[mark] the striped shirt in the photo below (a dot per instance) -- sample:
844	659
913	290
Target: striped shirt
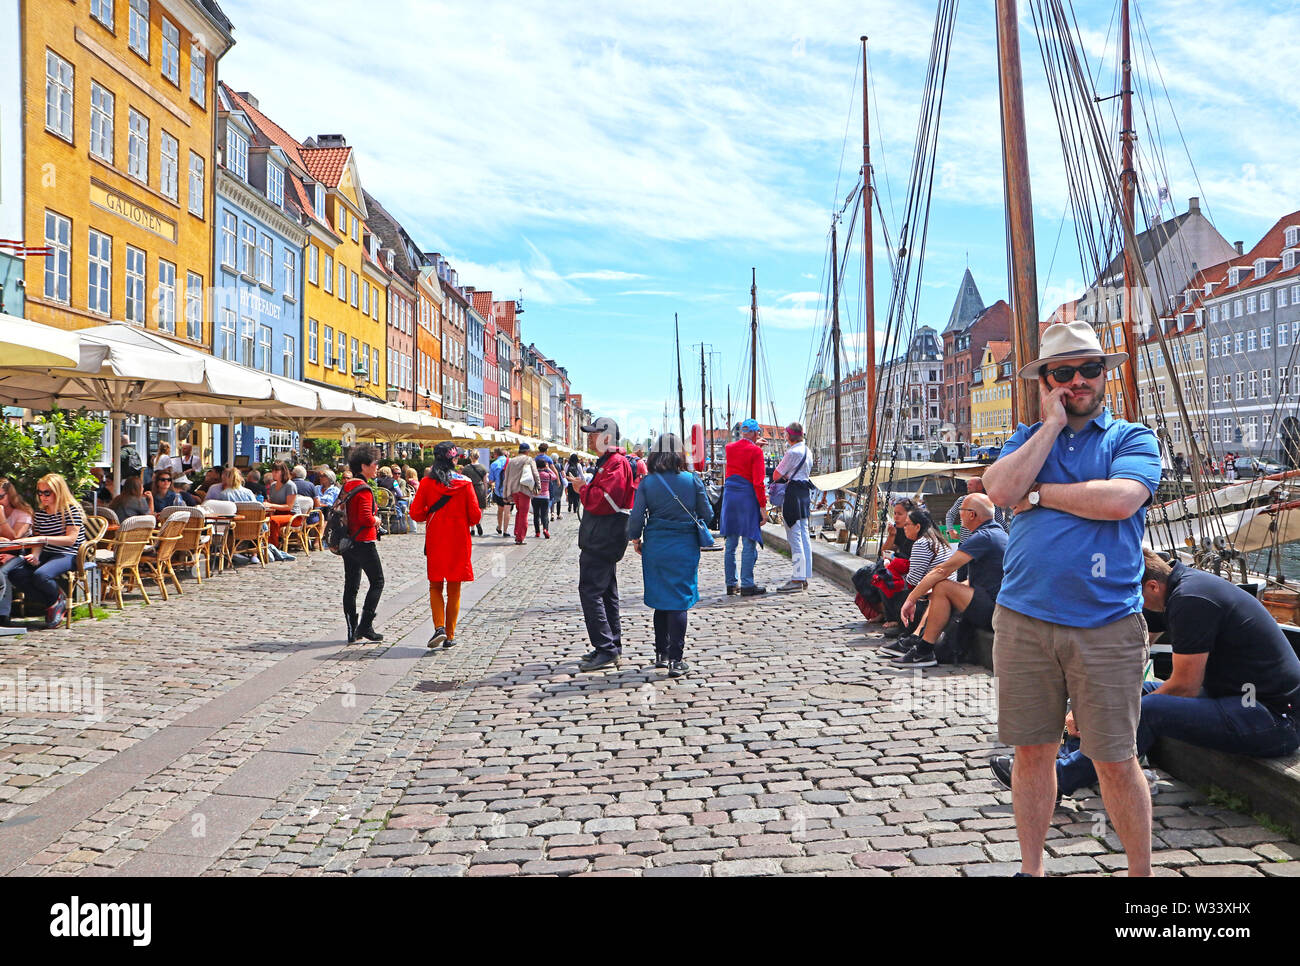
56	525
924	559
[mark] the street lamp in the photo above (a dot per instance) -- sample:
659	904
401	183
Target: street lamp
392	395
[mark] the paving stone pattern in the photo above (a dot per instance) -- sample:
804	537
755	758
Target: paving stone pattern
241	738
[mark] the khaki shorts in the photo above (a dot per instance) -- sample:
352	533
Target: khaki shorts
1038	665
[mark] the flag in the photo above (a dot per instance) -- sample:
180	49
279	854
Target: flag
21	250
1162	195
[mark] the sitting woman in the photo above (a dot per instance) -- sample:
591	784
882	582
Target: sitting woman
132	501
327	491
161	493
928	550
386	481
60	522
15	523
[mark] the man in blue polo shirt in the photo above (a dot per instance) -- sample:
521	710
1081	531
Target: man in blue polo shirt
1068	623
496	476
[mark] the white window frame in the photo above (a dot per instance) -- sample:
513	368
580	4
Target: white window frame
58	265
289	267
138	28
137	281
171	52
265	341
198	184
1265	300
287	357
60	79
230	240
248	250
365	297
313	340
275	184
137	149
342	292
329	273
236	152
341	355
341	221
101	122
318	202
99	272
355	279
1266	337
327	345
198	75
1252	304
248	342
374	366
313	264
102	10
169	163
229	337
1281	297
355	223
165	310
265	259
194	306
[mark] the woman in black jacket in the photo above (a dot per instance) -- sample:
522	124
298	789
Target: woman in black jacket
477	474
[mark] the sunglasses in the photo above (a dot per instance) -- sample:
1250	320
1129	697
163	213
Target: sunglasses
45	493
1089	370
163	479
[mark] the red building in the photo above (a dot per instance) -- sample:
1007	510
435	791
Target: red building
970	328
492	416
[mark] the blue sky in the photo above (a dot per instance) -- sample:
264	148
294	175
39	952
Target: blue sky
617	163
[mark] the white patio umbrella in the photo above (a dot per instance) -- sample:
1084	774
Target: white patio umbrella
27	343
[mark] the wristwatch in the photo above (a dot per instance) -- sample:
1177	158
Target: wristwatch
1034	496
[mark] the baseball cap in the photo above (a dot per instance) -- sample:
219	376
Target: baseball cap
750	426
603	424
524	448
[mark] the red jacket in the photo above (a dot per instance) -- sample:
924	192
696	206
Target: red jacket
446	538
361	512
613	477
745	458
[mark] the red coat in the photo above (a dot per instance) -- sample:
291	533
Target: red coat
361	512
446	537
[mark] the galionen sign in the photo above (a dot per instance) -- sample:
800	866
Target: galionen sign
102	196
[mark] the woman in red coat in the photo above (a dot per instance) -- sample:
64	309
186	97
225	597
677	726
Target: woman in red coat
447	502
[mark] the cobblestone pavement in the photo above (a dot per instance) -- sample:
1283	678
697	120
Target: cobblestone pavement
241	737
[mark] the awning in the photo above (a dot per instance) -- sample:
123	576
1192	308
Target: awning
27	343
900	470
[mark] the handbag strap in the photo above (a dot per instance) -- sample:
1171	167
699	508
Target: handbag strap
674	495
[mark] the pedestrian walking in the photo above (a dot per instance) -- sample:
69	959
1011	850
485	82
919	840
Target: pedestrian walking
520	482
671	506
496	476
794	499
573	469
449	507
362	555
474	471
1068	622
547	477
602	540
743	498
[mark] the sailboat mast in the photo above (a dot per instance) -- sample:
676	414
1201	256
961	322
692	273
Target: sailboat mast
704	415
681	403
835	337
868	280
1128	178
753	345
1020	208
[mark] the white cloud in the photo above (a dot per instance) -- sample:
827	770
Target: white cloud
606	275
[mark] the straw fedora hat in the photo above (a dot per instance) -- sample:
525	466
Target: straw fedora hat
1069	340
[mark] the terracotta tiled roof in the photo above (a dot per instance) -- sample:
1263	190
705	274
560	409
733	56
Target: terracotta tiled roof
483	304
326	165
272	131
999	349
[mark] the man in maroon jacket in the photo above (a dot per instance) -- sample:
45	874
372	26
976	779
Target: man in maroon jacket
602	541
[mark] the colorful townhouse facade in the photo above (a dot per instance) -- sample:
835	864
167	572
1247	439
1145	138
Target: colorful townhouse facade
400	257
991	395
491	366
428	337
474	361
455	310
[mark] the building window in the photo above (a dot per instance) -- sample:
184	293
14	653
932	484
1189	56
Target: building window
328	345
101	123
1241	385
99	273
1239	341
343	217
58	95
171	52
58	237
248	250
287	360
341	355
229	240
166	310
1266	337
318	202
228	334
264	348
355	223
1281	298
168	165
1266	383
196	185
353	357
313	274
354	290
137	148
1251	303
313	339
374	306
1198	351
236	152
138	31
275	184
248	342
265	260
1214	430
194	306
198	74
343	282
1250	341
1236	309
102	10
1282	387
290	273
329	273
1214	314
374	366
365	298
136	283
1254	385
1214	390
1265	301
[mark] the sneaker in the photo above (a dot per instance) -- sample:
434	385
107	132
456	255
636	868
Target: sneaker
921	655
790	586
678	669
439	635
752	591
598	660
55	613
546	534
449	642
1002	765
732	590
899	646
661	661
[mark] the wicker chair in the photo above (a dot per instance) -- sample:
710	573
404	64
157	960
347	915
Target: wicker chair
315	528
120	565
295	531
78	578
158	560
249	530
195	543
385	506
221	528
108	513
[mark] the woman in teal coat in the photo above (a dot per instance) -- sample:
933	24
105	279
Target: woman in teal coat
663	531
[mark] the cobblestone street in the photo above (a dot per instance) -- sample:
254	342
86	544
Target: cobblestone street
240	736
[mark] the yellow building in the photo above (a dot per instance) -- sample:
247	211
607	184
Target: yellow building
119	137
991	396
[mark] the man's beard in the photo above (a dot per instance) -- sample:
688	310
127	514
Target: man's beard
1084	407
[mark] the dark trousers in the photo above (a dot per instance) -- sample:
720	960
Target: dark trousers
574	503
670	633
541	514
40	584
359	557
598	591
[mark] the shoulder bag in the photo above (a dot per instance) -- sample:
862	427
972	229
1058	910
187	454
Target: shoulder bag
776	491
701	531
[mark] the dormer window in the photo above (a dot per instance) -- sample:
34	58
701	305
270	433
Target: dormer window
275	184
1288	261
1234	275
318	202
1293	236
1261	267
236	152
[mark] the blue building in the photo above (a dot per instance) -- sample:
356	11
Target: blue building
474	363
257	269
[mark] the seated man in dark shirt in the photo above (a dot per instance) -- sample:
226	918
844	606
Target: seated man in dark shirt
1235	685
981	552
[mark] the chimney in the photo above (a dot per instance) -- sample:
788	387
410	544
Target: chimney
248	97
1194	206
331	141
1239	246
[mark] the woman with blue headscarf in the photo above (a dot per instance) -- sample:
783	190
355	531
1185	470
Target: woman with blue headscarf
744	497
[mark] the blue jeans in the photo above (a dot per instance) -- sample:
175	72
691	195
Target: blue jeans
800	550
42	581
748	557
1220	724
6	586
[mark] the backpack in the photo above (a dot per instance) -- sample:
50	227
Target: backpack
131	465
338	535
